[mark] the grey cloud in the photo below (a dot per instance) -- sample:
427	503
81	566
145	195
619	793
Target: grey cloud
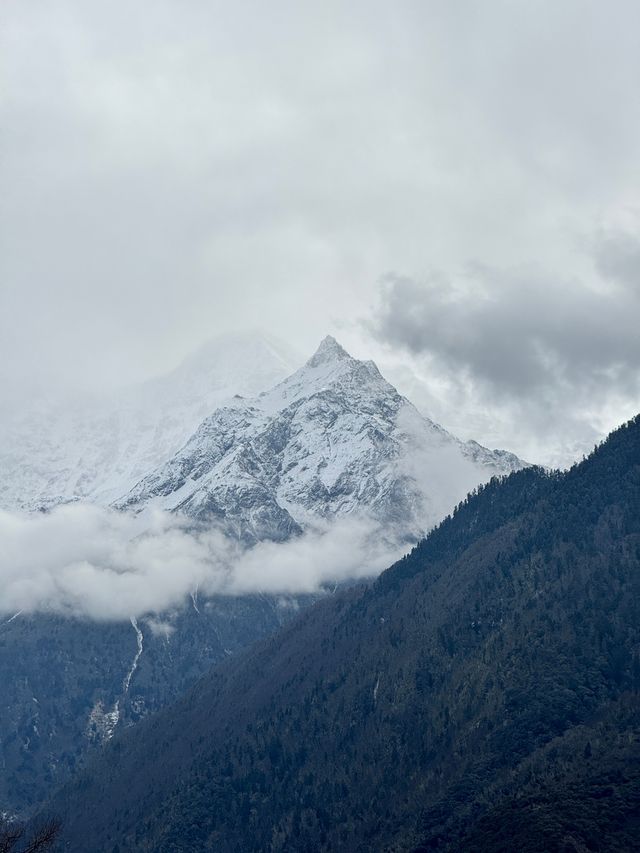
516	332
554	362
617	256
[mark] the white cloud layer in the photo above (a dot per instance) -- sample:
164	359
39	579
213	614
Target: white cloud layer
86	561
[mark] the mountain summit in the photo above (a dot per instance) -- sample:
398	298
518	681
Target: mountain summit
329	350
333	439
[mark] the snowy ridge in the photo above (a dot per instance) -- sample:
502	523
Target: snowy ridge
97	448
333	439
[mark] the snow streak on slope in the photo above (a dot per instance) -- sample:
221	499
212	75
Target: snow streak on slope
134	663
333	439
99	448
101	724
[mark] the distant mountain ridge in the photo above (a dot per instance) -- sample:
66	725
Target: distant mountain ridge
97	447
331	440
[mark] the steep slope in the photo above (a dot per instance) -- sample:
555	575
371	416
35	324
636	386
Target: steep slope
99	447
333	439
482	694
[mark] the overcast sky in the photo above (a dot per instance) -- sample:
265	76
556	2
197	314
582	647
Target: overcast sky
450	187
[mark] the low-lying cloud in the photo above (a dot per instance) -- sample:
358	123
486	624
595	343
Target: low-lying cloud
85	561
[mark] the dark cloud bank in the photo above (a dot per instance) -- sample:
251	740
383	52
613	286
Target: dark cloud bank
559	353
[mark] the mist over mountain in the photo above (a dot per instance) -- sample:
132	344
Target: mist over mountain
482	695
272	501
97	446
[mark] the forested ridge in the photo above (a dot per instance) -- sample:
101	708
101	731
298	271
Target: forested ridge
482	695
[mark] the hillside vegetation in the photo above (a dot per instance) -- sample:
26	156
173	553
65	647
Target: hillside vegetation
482	695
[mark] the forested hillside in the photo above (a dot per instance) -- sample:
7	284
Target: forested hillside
68	683
482	695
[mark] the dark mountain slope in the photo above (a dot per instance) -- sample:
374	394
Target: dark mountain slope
483	694
67	684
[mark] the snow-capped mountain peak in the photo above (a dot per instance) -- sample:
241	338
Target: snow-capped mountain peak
333	439
329	350
330	367
330	439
